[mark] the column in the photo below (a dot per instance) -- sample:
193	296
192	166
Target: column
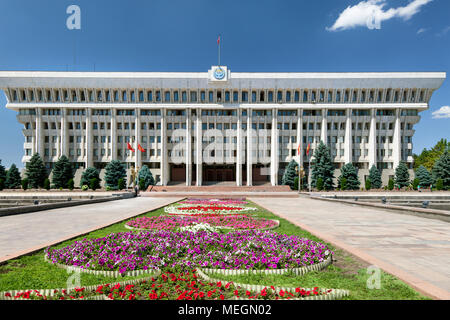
199	148
39	136
324	129
372	139
396	152
164	160
63	148
113	135
348	138
239	149
300	136
188	148
249	148
88	139
275	149
137	133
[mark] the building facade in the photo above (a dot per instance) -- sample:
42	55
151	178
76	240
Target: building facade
197	128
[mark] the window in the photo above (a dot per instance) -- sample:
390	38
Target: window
244	96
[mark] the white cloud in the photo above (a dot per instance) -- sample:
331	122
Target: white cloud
421	30
442	113
371	14
443	32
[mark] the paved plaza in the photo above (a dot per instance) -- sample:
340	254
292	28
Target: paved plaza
25	232
415	249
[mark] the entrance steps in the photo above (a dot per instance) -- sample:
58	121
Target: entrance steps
219	190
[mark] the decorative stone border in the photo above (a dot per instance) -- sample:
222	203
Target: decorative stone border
297	271
173	210
51	292
335	294
114	274
263	229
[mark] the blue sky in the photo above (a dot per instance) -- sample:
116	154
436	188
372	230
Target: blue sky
257	35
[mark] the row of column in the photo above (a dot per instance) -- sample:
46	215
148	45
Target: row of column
38	144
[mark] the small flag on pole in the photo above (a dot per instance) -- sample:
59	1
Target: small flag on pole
129	147
298	150
140	148
218	40
308	149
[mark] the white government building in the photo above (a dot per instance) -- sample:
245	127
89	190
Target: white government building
365	118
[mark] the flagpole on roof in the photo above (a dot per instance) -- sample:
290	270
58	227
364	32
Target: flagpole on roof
218	43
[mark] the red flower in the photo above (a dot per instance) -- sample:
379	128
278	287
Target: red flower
222	297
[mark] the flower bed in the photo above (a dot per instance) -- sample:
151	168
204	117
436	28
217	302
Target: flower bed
175	286
224	202
220	221
207	209
250	250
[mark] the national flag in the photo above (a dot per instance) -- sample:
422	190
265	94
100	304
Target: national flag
140	148
218	40
129	147
298	150
308	149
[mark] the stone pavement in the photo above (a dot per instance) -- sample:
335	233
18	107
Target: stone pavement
25	233
416	250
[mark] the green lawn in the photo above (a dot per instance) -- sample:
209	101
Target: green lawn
347	272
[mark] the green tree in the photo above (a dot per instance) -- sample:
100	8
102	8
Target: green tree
429	157
87	175
2	172
375	178
440	185
441	169
350	173
36	172
62	172
424	176
94	184
415	183
322	167
368	184
13	178
319	184
121	184
402	175
290	174
146	175
24	184
114	171
70	184
47	184
390	185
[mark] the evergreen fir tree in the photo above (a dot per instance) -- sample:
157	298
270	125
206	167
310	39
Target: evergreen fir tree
13	179
2	172
402	176
36	172
62	173
368	184
113	172
441	170
290	174
322	167
147	177
89	174
375	178
424	176
350	173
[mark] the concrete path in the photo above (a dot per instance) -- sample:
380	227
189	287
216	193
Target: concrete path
416	250
25	233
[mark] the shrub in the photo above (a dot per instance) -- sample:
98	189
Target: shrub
319	184
94	184
24	184
121	184
368	184
70	184
85	187
343	184
47	184
390	185
141	184
296	182
415	184
440	184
